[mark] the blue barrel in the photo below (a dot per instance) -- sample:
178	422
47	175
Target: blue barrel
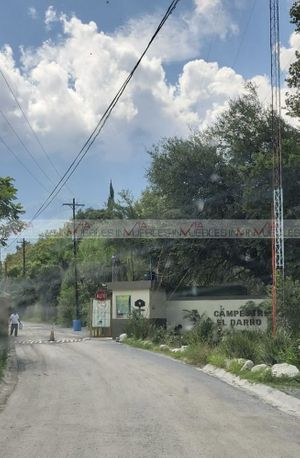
76	325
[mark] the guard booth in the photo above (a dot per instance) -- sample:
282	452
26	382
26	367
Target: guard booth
100	314
141	296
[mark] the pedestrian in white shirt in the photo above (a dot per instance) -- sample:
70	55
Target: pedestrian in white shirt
14	323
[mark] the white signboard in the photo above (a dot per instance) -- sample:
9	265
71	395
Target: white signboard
101	314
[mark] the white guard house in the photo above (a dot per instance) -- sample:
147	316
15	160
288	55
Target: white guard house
224	305
127	296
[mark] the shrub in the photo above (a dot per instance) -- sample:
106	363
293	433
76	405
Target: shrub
198	354
281	348
288	310
240	344
217	358
173	339
157	334
138	326
204	331
3	353
192	315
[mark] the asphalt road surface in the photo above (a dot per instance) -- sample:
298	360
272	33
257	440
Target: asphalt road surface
103	399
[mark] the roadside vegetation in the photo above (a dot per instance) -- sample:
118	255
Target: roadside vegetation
3	355
206	344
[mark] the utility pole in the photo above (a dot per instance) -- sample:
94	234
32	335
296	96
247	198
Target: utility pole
23	243
74	205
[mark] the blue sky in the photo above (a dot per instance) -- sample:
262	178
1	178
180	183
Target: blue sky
66	59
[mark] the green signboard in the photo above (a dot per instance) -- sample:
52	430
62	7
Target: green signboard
123	306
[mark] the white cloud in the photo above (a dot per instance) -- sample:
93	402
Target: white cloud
288	55
50	16
65	87
183	36
32	12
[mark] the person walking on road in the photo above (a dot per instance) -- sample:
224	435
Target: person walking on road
14	323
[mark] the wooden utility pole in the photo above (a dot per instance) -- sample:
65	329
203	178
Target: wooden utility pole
23	243
73	205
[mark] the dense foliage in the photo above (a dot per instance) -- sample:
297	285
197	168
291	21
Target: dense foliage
293	80
10	211
222	173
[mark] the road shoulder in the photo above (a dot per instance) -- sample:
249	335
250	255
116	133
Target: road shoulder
10	377
286	403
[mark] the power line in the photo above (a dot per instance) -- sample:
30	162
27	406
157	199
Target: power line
241	41
22	164
31	129
24	146
91	139
27	121
101	123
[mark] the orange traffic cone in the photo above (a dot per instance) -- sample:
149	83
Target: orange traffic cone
52	338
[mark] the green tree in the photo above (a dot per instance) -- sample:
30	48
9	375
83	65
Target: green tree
10	211
224	173
293	80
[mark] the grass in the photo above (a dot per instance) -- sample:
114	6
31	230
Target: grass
199	354
205	344
3	355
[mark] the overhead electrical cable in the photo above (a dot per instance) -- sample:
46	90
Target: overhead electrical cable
27	121
242	38
24	146
22	164
32	130
101	123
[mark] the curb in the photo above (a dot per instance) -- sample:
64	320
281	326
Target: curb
10	378
276	398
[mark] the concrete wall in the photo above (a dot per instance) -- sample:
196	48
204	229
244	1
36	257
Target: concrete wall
118	327
157	304
224	312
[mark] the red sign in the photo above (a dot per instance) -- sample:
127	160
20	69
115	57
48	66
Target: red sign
101	295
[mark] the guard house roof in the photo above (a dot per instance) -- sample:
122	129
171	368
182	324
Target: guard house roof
129	285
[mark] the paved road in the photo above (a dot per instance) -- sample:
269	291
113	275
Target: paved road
102	399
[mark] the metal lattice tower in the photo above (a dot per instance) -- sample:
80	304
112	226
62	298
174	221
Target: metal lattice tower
277	211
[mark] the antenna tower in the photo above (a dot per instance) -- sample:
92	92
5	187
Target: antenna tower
277	207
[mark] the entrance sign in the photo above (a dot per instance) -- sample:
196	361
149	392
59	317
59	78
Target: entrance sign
101	314
101	295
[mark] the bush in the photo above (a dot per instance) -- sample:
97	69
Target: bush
288	310
205	330
3	353
281	348
66	306
240	344
198	354
218	359
157	334
138	326
173	339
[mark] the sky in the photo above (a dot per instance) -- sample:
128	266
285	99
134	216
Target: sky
65	60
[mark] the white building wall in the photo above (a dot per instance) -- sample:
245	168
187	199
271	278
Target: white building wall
225	312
